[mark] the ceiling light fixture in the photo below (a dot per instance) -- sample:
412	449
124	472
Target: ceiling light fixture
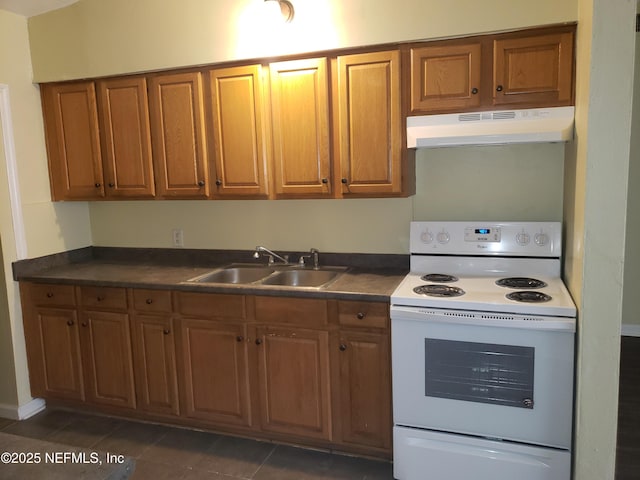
286	9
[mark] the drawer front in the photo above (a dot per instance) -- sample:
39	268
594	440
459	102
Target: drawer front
52	295
211	305
363	314
111	298
291	311
145	300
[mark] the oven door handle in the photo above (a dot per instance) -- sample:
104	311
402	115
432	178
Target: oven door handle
488	319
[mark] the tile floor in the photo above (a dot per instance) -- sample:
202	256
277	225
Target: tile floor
163	452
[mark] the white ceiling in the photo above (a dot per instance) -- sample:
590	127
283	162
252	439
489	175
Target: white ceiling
29	8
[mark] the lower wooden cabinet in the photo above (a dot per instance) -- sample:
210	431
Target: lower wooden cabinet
212	359
293	366
106	350
306	370
365	388
155	364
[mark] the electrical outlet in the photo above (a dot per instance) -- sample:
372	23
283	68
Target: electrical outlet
178	237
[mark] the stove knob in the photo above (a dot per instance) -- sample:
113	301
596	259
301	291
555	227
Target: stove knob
541	239
443	237
426	237
523	238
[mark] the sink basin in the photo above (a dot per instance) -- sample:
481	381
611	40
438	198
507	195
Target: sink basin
303	277
235	274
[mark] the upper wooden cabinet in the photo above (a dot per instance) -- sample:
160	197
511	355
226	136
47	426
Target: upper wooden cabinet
300	125
124	122
445	77
176	104
524	69
369	127
533	69
239	138
73	143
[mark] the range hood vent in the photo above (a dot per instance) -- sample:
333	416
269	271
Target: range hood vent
537	125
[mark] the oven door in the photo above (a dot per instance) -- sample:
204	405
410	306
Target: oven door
492	375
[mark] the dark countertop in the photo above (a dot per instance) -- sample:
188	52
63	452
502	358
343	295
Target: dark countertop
137	268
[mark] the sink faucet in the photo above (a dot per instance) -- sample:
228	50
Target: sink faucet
271	255
314	255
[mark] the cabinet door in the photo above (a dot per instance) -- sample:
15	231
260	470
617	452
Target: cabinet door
73	144
124	120
365	389
445	78
178	135
237	106
533	70
369	129
155	364
53	352
300	124
213	369
293	368
106	346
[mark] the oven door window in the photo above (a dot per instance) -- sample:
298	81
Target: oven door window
479	372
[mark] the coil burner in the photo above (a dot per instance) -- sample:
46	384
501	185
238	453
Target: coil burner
437	290
439	278
520	282
529	297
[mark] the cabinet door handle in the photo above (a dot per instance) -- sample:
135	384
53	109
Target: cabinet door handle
166	331
499	88
70	322
201	183
239	338
258	341
345	181
99	298
218	182
325	180
111	184
342	347
474	91
84	324
360	315
149	301
97	185
49	294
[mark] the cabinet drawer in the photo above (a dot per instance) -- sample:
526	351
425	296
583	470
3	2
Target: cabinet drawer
291	311
363	314
114	298
52	295
211	305
152	300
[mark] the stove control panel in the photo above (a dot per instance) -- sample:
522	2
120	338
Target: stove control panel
527	239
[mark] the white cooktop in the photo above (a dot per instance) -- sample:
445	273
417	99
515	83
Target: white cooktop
479	254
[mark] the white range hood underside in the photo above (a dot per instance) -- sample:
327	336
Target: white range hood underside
540	125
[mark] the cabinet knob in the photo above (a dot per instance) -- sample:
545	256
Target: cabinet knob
98	185
218	182
239	338
342	347
474	91
258	341
499	88
99	298
149	301
49	294
166	331
360	315
111	184
84	324
325	180
201	183
70	322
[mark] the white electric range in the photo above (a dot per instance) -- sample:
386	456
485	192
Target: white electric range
482	354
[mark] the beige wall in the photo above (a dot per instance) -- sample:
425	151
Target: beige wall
49	228
93	37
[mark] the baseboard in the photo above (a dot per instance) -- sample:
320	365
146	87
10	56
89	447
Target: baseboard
23	412
630	330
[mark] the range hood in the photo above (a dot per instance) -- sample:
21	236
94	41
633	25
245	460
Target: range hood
536	125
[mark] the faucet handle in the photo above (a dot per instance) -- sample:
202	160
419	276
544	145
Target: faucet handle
301	260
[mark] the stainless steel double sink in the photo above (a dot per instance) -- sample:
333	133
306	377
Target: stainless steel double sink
274	275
